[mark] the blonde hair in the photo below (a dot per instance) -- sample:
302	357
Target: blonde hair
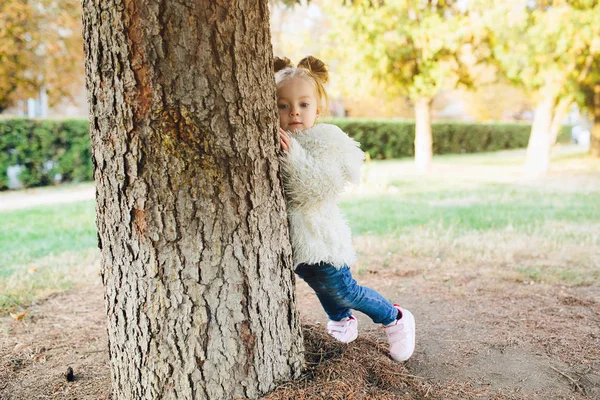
309	68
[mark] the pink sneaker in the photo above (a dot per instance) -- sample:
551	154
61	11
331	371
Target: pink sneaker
401	335
345	330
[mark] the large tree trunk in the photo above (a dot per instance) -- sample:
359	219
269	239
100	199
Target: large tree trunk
423	138
196	259
595	134
537	159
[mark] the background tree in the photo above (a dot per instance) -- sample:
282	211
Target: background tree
594	100
40	45
541	46
584	85
414	49
589	98
192	226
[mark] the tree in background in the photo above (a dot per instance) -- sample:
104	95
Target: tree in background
584	85
40	46
589	97
196	258
595	134
413	49
542	47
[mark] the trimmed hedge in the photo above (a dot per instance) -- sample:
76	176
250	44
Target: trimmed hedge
394	139
47	148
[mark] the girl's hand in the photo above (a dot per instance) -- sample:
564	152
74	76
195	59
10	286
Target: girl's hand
284	139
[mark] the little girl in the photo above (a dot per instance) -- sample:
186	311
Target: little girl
318	161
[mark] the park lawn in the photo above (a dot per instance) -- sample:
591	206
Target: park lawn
479	212
528	234
27	235
471	210
489	207
44	250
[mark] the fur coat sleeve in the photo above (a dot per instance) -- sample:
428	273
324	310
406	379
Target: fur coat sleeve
319	164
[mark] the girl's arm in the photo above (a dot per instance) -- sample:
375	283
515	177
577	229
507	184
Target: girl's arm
307	180
311	179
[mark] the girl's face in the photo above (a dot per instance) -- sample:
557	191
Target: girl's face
298	105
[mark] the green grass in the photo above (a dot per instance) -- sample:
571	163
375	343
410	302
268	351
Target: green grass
489	207
48	275
44	250
479	211
476	192
30	234
475	210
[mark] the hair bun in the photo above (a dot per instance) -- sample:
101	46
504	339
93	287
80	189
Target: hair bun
281	63
316	67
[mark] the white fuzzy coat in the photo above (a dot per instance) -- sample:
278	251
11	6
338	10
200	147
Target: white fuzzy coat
316	168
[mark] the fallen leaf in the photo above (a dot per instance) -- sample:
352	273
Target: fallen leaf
18	316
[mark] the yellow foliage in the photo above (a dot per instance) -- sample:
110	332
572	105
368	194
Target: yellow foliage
40	44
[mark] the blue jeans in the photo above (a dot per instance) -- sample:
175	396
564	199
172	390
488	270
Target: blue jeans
338	293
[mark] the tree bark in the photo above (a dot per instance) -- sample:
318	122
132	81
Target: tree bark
560	113
423	138
537	159
595	133
196	259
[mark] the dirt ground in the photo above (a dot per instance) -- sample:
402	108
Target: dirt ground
477	337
